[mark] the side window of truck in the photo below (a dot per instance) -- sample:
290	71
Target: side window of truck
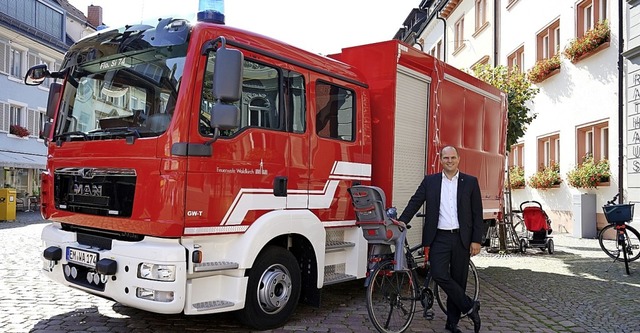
264	100
335	109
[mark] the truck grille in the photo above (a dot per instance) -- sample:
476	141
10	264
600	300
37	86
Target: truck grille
95	191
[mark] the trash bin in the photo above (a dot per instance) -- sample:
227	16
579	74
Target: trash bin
7	204
584	216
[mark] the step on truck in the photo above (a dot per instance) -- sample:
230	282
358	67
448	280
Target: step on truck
197	168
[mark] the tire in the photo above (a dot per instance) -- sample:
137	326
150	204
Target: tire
473	289
550	246
523	245
612	248
268	308
391	298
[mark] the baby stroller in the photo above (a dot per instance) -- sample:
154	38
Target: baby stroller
538	227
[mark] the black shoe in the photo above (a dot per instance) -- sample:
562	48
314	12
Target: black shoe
474	315
452	328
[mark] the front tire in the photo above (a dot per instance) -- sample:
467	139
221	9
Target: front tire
612	247
273	289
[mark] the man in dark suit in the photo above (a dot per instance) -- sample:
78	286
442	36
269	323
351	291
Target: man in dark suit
452	231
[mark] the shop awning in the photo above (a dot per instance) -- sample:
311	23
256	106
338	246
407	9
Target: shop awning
22	160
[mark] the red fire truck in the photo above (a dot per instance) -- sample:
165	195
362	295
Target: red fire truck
197	168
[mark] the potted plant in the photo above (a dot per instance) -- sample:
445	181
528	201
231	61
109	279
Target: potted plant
589	174
547	177
544	69
580	47
516	177
18	130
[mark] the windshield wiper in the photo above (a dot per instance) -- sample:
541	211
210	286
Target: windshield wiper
67	135
129	133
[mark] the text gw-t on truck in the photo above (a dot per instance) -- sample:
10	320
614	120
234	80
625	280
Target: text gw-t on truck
197	168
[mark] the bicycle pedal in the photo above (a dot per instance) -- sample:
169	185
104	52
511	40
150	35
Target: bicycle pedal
428	314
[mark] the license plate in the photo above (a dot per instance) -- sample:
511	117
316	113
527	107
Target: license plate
81	257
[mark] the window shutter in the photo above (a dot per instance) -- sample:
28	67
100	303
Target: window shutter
33	60
4	54
32	122
4	117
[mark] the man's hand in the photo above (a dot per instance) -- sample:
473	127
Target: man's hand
474	249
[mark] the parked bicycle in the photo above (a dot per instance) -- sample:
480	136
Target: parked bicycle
627	239
394	273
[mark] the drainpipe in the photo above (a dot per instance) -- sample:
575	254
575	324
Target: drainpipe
620	103
496	32
444	36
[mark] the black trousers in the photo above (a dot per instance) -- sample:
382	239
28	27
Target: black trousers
450	268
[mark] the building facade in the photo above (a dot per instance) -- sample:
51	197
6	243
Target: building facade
31	32
577	104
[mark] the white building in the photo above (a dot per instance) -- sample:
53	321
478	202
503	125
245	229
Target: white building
577	106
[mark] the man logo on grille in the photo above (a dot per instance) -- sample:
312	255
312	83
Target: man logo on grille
87	173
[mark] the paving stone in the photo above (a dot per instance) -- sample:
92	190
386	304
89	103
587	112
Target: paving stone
576	289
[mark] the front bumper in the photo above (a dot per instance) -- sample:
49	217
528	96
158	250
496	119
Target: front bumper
120	283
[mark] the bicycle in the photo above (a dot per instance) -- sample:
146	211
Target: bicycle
627	240
392	293
393	283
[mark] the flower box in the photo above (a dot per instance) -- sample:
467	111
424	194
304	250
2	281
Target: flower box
18	131
544	69
590	53
593	41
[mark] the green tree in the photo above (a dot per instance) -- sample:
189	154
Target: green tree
519	91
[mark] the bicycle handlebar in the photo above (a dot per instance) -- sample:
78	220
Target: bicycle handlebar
613	201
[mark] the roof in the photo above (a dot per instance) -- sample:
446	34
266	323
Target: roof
73	11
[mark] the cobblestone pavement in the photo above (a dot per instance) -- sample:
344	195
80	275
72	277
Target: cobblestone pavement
568	291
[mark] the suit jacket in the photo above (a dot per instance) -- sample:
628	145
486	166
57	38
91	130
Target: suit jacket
469	208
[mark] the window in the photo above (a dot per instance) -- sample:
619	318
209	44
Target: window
516	157
458	34
593	140
548	150
272	98
15	62
548	40
588	12
335	107
516	59
15	115
481	13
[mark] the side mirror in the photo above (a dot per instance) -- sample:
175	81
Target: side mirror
225	116
227	74
36	75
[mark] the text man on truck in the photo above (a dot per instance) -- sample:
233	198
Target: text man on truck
197	168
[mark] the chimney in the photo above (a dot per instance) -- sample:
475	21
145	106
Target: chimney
94	15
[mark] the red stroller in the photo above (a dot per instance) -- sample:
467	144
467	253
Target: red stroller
538	227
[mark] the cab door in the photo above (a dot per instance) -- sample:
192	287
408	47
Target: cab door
257	168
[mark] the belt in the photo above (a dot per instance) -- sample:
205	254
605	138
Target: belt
449	231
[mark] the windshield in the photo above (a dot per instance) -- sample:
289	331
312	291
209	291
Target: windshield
118	85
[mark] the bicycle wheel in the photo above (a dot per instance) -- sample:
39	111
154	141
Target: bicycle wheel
391	298
473	289
518	225
612	247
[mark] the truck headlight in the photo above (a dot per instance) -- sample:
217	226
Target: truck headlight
157	272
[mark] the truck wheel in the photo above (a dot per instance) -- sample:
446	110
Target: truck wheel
273	289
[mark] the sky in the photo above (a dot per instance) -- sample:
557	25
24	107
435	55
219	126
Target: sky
322	27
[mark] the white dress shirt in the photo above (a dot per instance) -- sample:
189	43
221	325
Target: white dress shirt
449	203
